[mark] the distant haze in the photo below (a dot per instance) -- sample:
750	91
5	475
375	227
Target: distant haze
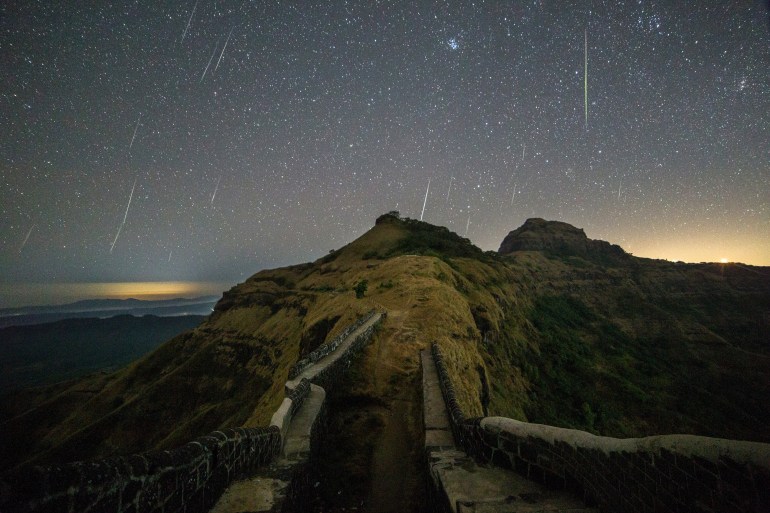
23	294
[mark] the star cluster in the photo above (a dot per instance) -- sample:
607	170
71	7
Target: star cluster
266	133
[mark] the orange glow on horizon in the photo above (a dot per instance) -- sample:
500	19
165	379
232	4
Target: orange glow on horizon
144	289
18	294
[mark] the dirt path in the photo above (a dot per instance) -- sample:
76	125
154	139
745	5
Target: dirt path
372	460
396	479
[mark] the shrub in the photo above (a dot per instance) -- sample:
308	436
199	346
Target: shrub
360	288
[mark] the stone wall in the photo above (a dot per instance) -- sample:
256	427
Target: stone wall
332	373
188	479
637	475
304	477
326	349
460	427
289	406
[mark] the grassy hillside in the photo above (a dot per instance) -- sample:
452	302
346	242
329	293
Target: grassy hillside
620	346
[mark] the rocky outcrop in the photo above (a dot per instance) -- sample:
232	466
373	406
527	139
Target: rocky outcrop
558	238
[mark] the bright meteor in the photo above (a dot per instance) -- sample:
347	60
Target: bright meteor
26	238
425	201
124	216
585	77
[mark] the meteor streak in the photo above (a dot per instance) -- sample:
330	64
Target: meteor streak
450	188
425	201
26	238
466	226
125	215
135	130
215	190
513	193
189	21
585	77
223	49
209	64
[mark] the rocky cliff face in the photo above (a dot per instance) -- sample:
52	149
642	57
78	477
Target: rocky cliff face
559	238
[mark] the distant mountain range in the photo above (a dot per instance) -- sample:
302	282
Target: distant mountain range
104	308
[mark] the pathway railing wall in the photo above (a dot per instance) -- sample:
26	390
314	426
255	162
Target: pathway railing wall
329	348
188	479
636	475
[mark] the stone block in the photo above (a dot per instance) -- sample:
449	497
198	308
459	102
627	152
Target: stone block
527	452
131	491
137	465
149	498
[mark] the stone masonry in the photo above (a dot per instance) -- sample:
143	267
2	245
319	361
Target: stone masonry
188	479
669	473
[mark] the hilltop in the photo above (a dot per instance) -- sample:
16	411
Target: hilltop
554	328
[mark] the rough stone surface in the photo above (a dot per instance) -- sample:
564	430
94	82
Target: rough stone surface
438	430
188	479
191	479
326	371
668	472
471	487
540	235
636	475
284	484
458	483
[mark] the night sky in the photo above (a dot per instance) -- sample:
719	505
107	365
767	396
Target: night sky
256	134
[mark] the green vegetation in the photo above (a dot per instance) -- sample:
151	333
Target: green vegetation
360	288
423	238
584	372
632	347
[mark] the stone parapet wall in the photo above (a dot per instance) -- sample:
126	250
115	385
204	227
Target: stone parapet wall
667	473
326	349
461	430
329	376
294	399
188	479
298	395
659	473
303	476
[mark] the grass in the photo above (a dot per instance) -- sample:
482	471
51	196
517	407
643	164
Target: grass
633	350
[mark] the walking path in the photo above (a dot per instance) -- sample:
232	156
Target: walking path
321	365
270	486
469	487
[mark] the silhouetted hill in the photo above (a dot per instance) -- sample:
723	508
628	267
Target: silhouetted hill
102	308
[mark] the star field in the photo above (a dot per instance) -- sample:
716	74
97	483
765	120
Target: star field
261	134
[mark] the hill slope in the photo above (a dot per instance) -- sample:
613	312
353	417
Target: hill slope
571	334
46	353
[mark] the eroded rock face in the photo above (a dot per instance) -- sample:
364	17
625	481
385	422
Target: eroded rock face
555	236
